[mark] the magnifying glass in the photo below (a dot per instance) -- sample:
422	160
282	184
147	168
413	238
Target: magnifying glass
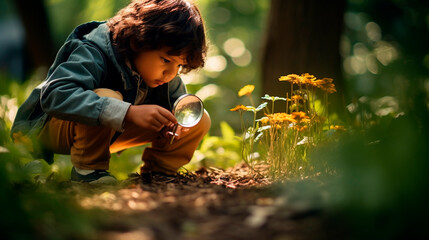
188	110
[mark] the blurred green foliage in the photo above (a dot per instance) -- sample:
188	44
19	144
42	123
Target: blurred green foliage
380	188
384	47
30	210
381	164
217	151
66	15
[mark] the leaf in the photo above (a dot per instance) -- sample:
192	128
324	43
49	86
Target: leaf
262	106
227	131
259	136
263	128
208	142
273	98
34	167
319	108
250	108
267	97
305	140
248	134
262	118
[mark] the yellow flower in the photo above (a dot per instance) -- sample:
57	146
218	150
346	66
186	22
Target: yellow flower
325	84
301	128
246	90
280	118
318	83
307	78
296	98
330	88
264	120
238	108
337	127
300	117
292	78
306	120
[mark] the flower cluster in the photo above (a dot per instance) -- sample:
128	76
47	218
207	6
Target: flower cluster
286	137
276	118
326	84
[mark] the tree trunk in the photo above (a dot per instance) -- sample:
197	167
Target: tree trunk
303	37
37	30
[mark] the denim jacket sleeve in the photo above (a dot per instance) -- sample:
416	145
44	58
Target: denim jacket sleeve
67	93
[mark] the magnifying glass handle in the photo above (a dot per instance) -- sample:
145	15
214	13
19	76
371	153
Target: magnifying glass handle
174	133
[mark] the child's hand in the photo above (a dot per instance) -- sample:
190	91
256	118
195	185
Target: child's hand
151	117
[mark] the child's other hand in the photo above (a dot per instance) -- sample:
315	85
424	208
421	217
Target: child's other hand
151	117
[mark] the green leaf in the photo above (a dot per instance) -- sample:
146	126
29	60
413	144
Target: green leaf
227	131
259	136
34	167
250	108
262	118
263	128
273	98
262	106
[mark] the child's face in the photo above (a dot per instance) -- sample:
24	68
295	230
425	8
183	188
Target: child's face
156	67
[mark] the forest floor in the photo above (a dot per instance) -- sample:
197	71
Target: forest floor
211	204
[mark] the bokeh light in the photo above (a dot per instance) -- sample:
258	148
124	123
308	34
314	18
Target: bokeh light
234	47
215	63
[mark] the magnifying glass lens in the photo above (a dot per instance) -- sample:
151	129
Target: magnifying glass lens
188	110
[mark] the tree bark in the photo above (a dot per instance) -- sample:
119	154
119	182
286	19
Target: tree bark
303	37
38	35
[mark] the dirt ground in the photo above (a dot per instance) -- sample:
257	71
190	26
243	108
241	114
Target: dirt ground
212	204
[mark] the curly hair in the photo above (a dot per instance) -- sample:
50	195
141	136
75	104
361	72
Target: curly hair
152	24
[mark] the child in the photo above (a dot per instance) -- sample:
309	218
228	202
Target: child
112	86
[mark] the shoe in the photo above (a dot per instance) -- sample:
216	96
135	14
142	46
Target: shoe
96	177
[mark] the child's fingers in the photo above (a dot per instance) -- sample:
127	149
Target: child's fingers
168	115
150	116
161	122
158	124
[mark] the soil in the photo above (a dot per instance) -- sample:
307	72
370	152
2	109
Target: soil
211	204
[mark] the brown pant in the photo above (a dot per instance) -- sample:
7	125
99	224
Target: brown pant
89	146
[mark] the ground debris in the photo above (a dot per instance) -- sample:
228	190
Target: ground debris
210	203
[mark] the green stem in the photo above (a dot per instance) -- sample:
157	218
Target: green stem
251	100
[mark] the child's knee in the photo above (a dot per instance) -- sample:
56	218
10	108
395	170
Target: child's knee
106	92
205	121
